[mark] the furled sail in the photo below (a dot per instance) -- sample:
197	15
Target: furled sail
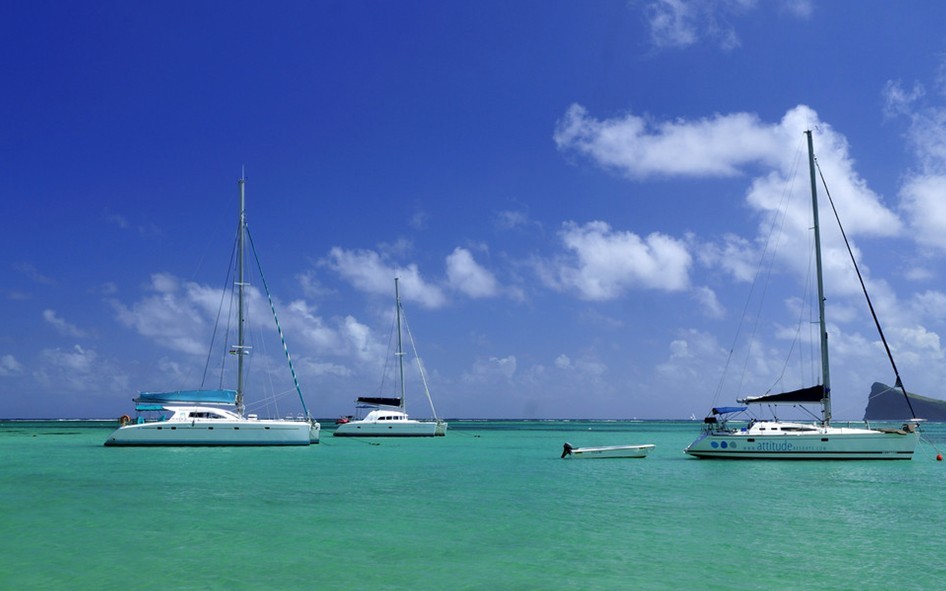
811	395
379	400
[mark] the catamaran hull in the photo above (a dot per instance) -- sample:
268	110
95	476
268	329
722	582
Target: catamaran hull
243	433
876	445
404	429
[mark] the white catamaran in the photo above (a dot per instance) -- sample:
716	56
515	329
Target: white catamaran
393	420
774	439
216	417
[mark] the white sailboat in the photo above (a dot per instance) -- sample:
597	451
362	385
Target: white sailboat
216	417
774	439
393	421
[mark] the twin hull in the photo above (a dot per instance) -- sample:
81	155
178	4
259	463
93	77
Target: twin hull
216	432
394	429
868	445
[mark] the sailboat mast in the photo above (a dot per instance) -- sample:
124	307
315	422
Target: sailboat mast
400	348
241	323
825	370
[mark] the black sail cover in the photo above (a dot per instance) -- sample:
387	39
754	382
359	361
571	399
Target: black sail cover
812	395
380	400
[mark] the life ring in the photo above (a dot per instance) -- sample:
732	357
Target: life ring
124	420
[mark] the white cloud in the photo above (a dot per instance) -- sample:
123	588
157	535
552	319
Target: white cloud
64	328
367	271
492	369
639	148
9	366
798	8
921	193
709	303
603	263
673	23
468	277
922	200
741	144
930	304
735	255
79	370
177	316
33	273
683	23
509	220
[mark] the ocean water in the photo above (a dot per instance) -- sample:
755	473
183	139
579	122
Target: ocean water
491	506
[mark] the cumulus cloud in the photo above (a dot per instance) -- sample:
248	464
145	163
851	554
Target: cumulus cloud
179	316
509	219
467	276
639	148
773	158
921	193
922	200
491	370
678	24
79	370
33	273
602	263
64	328
9	366
176	315
370	272
708	302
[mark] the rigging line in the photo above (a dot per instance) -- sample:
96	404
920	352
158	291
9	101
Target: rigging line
803	307
213	336
420	365
272	307
387	354
870	305
778	222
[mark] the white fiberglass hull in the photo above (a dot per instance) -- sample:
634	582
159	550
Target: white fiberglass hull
399	429
832	443
614	451
216	432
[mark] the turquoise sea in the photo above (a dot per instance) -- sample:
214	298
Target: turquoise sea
491	506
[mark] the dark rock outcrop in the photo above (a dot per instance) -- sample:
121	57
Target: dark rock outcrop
887	404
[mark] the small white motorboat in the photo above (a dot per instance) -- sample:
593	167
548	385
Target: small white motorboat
611	451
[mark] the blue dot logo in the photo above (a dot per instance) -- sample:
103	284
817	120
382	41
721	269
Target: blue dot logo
713	444
723	445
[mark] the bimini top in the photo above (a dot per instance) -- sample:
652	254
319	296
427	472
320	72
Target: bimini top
812	395
188	397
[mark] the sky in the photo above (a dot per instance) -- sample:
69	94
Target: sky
575	197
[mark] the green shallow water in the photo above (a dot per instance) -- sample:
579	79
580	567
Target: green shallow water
490	506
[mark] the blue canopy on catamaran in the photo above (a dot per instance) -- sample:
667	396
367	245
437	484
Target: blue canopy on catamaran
188	397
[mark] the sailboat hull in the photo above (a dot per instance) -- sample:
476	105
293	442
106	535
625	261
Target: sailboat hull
401	429
833	444
210	433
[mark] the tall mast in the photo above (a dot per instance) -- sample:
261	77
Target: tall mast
240	349
825	371
400	349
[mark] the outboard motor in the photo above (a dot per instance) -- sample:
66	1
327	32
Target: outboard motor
567	449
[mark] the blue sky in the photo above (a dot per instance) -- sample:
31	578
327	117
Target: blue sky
575	196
